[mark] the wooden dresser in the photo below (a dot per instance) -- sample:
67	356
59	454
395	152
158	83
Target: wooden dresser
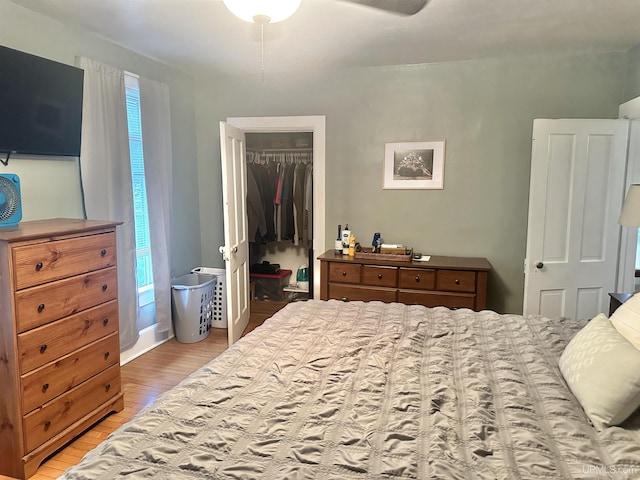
59	346
454	282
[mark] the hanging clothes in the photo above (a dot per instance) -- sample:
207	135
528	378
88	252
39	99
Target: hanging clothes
269	200
288	226
299	185
307	229
256	223
266	189
283	189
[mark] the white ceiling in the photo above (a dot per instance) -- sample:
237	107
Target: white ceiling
202	34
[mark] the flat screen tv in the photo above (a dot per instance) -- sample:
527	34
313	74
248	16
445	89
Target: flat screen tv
40	105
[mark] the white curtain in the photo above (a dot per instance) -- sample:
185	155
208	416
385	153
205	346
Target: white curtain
156	141
106	177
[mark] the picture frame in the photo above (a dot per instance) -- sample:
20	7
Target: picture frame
414	165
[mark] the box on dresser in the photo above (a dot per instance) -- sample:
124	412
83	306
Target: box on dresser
59	346
454	282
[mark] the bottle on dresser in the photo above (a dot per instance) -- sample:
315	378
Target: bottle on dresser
346	235
338	243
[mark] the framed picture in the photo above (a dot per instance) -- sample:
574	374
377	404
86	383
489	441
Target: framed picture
414	165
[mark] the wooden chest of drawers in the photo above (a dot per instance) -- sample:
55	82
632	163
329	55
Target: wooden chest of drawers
454	282
59	345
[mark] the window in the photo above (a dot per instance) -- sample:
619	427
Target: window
144	273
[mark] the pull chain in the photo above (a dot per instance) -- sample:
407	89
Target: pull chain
262	50
261	20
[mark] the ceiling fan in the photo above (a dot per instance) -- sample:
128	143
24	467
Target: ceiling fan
272	11
405	7
263	12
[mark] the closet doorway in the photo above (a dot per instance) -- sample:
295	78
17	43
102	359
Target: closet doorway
259	131
280	212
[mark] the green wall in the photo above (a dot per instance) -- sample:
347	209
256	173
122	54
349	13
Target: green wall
51	187
483	109
632	83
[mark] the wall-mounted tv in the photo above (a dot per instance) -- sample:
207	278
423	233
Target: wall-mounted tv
40	105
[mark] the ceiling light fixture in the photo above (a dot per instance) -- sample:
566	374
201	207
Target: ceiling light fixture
262	11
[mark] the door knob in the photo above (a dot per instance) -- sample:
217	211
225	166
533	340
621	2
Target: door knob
226	253
539	265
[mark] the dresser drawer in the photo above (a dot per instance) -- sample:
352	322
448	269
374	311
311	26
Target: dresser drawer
55	378
38	305
44	262
417	278
366	294
42	424
46	343
437	299
344	273
379	276
456	280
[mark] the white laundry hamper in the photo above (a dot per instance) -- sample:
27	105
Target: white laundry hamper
219	318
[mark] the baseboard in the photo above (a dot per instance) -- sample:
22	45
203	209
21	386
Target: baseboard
148	340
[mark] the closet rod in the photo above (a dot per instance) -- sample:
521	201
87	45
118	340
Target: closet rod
276	150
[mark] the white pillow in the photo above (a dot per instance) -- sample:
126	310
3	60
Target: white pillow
626	319
603	371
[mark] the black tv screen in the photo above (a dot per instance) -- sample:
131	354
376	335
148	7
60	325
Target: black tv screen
40	105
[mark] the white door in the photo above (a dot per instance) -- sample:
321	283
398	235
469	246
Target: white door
575	198
235	251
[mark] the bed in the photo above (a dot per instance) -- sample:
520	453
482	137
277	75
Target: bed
337	391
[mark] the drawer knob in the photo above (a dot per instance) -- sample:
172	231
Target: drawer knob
417	278
40	308
45	387
344	274
43	348
456	281
344	299
107	387
47	425
103	253
104	287
105	322
379	276
106	355
39	266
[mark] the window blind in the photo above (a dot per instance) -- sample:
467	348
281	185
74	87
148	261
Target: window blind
141	217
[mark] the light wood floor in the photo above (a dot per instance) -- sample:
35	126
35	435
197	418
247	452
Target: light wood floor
143	379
